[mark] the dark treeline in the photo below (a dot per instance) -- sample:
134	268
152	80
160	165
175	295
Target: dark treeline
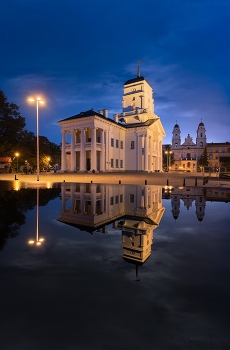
14	138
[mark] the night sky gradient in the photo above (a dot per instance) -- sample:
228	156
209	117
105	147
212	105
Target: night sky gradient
77	54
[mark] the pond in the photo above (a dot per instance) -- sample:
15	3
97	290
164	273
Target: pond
87	266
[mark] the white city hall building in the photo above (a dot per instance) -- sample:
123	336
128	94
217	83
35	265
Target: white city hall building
132	141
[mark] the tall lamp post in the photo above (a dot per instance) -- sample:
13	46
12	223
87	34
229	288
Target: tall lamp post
168	153
17	155
38	100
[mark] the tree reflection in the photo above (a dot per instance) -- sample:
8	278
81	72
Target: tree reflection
14	205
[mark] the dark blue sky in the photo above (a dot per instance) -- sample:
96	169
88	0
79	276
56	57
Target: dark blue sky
77	54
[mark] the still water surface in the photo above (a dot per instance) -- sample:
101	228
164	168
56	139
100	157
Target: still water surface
86	266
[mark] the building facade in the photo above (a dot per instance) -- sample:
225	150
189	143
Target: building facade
188	153
132	141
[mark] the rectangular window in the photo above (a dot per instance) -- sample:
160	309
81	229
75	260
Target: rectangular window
132	144
210	150
112	142
111	200
121	163
216	149
117	163
116	199
121	198
223	150
131	198
121	144
112	165
210	157
117	144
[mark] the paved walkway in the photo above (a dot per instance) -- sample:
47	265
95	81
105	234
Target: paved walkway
163	179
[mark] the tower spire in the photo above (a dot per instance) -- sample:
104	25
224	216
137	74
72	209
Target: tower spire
138	68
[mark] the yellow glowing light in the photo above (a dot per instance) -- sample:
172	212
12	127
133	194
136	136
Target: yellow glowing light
38	243
31	242
41	240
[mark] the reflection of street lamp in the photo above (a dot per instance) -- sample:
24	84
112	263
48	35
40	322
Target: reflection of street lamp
38	241
17	155
38	100
168	153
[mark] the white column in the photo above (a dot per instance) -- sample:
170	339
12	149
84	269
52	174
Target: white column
82	154
140	146
73	154
102	188
151	154
93	149
102	158
63	153
145	153
137	152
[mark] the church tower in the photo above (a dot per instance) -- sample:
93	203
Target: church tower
137	100
176	140
201	136
175	203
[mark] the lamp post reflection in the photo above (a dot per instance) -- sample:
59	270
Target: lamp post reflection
38	241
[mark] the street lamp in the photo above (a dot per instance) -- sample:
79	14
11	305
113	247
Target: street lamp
17	155
168	153
38	100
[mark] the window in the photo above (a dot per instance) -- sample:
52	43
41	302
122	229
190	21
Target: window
188	164
121	144
111	200
132	144
112	165
117	163
210	150
176	144
217	157
201	144
210	156
112	142
222	150
133	99
117	144
201	134
116	200
131	198
216	149
121	198
121	163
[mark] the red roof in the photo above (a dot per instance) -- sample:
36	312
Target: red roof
5	160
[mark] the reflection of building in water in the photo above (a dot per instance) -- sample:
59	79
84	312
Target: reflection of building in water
136	210
188	195
199	195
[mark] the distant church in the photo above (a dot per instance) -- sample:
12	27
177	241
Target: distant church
132	141
188	153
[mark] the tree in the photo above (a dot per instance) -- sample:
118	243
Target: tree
15	138
12	125
204	158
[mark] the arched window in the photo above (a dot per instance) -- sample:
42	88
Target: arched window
188	165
